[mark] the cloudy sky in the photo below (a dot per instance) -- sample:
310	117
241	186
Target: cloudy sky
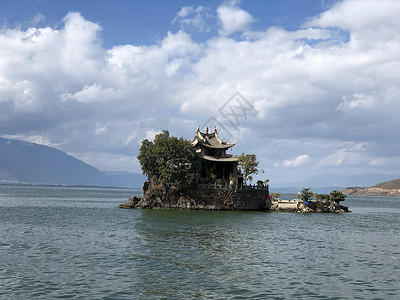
310	87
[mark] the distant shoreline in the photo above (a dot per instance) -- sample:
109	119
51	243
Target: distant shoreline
372	191
3	183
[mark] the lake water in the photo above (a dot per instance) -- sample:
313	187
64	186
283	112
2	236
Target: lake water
63	242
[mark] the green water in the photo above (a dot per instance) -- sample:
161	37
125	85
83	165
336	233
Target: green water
59	242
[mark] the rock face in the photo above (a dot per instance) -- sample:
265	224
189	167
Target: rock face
372	191
312	207
158	195
131	203
323	207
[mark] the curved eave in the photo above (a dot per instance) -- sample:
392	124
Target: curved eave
227	146
219	159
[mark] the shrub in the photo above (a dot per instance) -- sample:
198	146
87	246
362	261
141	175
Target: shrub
168	158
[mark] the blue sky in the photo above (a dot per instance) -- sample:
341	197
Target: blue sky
320	78
146	22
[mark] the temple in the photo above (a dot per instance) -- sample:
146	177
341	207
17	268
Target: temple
215	163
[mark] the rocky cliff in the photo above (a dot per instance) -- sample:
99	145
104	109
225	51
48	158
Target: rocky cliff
317	206
158	195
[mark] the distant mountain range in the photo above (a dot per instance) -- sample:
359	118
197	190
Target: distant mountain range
24	162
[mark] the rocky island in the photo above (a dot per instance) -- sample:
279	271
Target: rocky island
307	202
159	195
199	174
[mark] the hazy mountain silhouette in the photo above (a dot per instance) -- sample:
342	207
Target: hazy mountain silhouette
33	163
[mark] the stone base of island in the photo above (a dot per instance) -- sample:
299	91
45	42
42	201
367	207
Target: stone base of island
207	197
317	206
157	195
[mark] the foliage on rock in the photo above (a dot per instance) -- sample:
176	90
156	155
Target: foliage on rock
275	195
337	196
306	194
168	158
322	197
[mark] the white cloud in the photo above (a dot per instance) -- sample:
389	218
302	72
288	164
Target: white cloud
107	161
351	155
151	134
179	44
92	93
37	19
37	139
80	47
355	16
183	13
193	18
297	162
131	137
123	56
315	88
233	19
100	129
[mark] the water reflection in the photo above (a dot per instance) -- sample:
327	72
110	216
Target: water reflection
187	254
205	251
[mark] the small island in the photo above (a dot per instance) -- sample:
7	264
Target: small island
307	202
200	174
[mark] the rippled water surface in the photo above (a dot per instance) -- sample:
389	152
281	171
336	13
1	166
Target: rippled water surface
63	242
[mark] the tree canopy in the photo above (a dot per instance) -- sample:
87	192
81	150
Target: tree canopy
248	165
337	196
306	194
168	158
322	197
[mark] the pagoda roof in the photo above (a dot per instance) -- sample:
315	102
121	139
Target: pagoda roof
219	159
210	140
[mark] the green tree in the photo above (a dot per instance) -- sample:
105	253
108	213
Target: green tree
337	196
169	159
248	165
275	195
306	194
322	197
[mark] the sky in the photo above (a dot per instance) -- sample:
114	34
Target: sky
310	87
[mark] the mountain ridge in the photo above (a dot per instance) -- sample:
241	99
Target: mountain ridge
391	184
387	188
26	162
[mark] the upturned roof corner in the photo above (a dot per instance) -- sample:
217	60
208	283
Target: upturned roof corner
210	140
